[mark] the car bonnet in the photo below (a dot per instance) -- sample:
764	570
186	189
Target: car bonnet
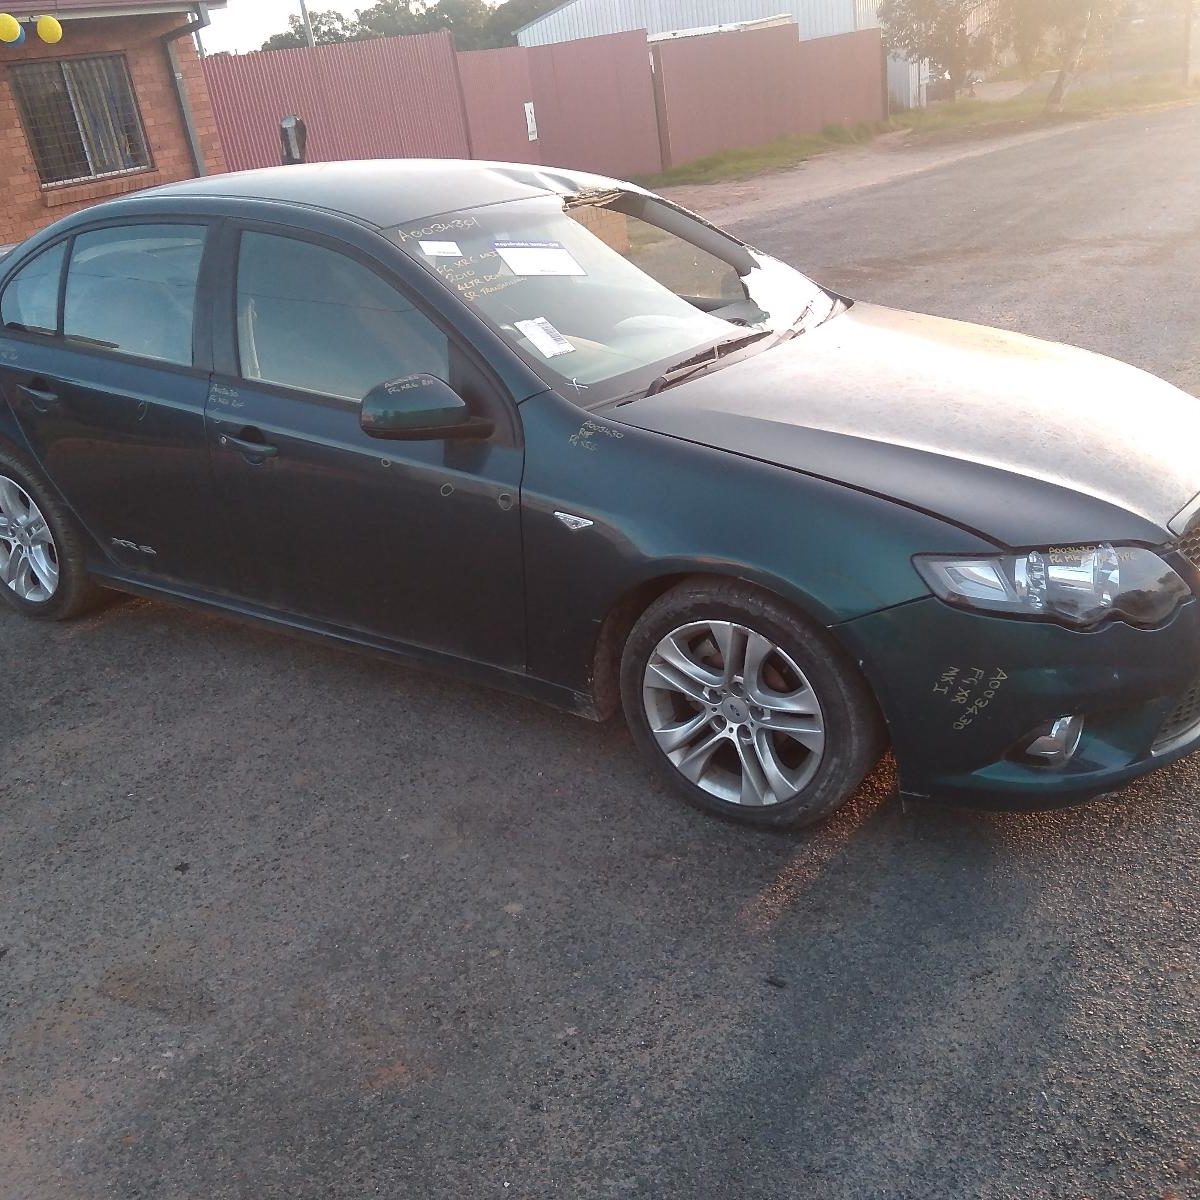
1025	441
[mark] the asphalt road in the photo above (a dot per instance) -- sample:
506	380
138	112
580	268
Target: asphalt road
281	922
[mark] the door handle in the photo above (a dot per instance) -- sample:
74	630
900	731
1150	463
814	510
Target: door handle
40	397
252	446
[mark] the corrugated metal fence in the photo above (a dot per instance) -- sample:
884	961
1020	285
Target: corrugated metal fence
732	90
593	104
386	98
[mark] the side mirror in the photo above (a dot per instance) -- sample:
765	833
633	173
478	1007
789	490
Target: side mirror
420	408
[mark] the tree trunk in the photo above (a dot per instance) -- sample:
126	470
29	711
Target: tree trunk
1070	66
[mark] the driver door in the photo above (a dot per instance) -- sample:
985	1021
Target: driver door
416	542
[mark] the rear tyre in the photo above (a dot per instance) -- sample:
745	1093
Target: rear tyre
745	709
42	572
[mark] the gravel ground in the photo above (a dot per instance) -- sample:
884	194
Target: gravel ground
281	922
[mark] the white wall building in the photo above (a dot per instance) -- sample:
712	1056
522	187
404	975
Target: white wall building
816	18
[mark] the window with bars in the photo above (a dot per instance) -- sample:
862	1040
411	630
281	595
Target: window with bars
81	118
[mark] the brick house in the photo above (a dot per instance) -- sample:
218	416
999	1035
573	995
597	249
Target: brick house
118	105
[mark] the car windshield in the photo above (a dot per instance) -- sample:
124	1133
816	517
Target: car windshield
603	294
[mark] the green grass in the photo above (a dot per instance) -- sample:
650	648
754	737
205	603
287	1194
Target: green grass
1084	101
963	115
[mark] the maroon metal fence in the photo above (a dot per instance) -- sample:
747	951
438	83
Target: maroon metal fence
386	98
731	90
593	104
596	103
496	86
843	80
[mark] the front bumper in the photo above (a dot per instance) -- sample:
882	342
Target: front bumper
960	690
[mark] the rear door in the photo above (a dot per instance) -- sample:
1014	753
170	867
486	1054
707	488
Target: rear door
109	384
413	541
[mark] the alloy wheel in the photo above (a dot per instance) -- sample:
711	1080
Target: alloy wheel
733	713
28	556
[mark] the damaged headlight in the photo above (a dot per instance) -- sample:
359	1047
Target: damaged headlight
1075	585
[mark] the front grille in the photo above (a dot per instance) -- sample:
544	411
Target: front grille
1184	717
1189	544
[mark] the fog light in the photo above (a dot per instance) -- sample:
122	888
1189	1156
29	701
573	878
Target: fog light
1053	744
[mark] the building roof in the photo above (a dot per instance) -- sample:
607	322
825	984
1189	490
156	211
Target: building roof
388	192
592	18
69	9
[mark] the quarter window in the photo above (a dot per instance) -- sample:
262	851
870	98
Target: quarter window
81	118
315	320
133	289
31	298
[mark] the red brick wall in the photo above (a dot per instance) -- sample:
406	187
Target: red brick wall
27	205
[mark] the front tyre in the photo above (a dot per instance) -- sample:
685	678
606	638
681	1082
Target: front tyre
744	708
42	573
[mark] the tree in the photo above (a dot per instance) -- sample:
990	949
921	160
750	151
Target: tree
953	34
327	27
474	23
394	18
507	18
957	35
466	19
1066	27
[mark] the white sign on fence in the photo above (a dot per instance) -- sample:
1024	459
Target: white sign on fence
531	120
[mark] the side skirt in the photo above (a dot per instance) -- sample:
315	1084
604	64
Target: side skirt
513	682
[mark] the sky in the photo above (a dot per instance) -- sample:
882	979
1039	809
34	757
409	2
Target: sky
246	24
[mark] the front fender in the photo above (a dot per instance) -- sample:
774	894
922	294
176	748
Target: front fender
660	507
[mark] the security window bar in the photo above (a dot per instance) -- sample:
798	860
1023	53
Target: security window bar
81	118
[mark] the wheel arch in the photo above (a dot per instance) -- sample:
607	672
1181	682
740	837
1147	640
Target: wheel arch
624	612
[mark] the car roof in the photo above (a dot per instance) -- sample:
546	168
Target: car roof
389	192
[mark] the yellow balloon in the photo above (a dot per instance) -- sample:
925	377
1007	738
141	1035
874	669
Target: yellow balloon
49	30
10	28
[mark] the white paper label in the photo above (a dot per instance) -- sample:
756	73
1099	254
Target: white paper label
531	120
441	249
538	258
545	338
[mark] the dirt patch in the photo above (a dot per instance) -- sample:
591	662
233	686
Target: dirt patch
893	156
889	157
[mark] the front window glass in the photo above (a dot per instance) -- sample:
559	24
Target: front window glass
132	288
312	319
31	299
601	297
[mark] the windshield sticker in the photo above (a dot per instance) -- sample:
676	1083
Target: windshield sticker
538	258
544	337
441	249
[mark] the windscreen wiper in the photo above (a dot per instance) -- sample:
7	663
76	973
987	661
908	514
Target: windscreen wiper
705	359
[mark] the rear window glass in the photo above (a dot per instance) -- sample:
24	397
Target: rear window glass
31	299
133	289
